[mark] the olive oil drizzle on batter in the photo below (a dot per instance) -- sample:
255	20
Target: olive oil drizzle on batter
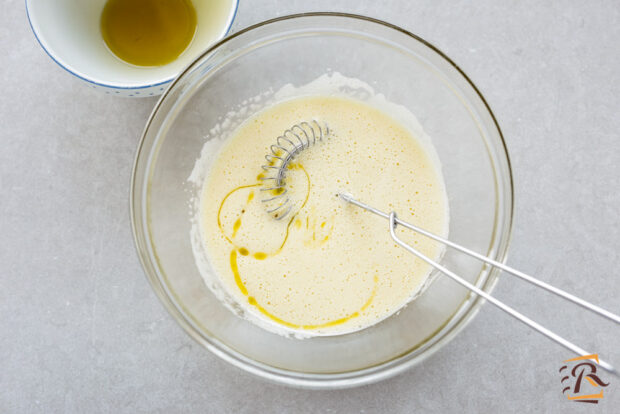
234	266
219	211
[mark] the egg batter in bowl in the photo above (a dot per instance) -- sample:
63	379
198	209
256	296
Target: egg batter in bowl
185	168
326	268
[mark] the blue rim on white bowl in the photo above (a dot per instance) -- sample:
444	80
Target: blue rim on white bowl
73	42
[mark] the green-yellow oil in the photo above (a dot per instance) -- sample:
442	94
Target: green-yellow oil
148	32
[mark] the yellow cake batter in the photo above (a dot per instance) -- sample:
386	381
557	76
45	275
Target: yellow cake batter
328	267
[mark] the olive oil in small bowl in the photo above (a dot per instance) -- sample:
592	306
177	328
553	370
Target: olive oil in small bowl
132	48
148	32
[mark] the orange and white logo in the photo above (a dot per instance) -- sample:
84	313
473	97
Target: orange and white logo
580	380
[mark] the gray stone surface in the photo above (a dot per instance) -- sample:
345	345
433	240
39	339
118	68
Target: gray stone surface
81	331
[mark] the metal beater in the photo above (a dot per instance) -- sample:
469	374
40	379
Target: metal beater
292	147
293	141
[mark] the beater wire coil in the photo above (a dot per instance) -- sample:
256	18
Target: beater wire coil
293	141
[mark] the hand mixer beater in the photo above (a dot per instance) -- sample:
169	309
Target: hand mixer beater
279	204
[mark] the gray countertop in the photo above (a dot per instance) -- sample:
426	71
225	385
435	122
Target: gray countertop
81	330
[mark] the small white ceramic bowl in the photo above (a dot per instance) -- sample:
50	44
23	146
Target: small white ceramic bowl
69	32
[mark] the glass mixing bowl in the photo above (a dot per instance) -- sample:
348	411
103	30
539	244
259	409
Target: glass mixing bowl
298	49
